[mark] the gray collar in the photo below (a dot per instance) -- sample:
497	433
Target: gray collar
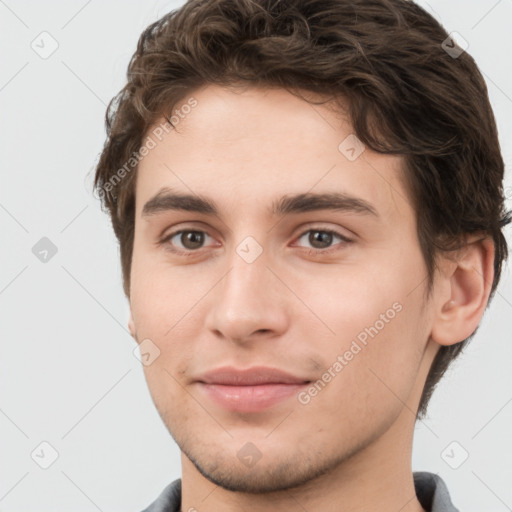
430	489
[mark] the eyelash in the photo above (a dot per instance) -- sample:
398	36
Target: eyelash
165	241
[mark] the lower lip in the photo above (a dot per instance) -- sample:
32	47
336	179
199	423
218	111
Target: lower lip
250	398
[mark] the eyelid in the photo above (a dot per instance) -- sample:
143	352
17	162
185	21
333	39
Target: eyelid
320	227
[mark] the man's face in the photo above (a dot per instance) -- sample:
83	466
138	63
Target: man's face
247	288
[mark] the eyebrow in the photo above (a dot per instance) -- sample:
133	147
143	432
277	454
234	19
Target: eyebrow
167	200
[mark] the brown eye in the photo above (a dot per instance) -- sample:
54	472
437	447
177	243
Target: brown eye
321	240
185	240
192	239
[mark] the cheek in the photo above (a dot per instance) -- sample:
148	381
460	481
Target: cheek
368	375
165	308
352	300
163	298
376	333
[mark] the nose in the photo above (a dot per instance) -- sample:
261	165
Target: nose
249	303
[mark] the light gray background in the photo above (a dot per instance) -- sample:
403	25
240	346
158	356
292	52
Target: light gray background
67	372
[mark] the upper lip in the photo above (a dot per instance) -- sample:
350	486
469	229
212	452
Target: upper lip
249	377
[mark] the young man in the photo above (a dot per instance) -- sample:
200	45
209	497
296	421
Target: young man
308	199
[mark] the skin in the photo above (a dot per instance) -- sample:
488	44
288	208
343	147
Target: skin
350	447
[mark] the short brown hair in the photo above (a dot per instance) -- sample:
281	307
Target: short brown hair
405	94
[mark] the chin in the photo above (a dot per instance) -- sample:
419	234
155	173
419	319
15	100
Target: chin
280	473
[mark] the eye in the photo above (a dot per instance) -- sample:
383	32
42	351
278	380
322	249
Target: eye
321	239
190	240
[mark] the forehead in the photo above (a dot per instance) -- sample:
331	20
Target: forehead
249	147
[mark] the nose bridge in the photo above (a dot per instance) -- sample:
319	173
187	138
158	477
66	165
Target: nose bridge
243	283
247	300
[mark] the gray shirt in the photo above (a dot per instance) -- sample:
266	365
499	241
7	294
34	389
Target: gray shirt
430	490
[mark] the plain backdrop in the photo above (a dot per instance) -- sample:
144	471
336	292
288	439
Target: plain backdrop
68	376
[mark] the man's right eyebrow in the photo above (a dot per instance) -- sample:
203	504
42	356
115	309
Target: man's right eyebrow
167	200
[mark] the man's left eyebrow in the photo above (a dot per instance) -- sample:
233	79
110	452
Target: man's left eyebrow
308	202
167	200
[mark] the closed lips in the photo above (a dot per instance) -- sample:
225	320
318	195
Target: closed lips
255	376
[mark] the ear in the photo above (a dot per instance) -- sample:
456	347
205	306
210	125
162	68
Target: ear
131	326
466	284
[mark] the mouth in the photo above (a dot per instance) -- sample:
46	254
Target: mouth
249	390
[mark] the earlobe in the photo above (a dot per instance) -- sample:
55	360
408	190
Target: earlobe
131	326
469	283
